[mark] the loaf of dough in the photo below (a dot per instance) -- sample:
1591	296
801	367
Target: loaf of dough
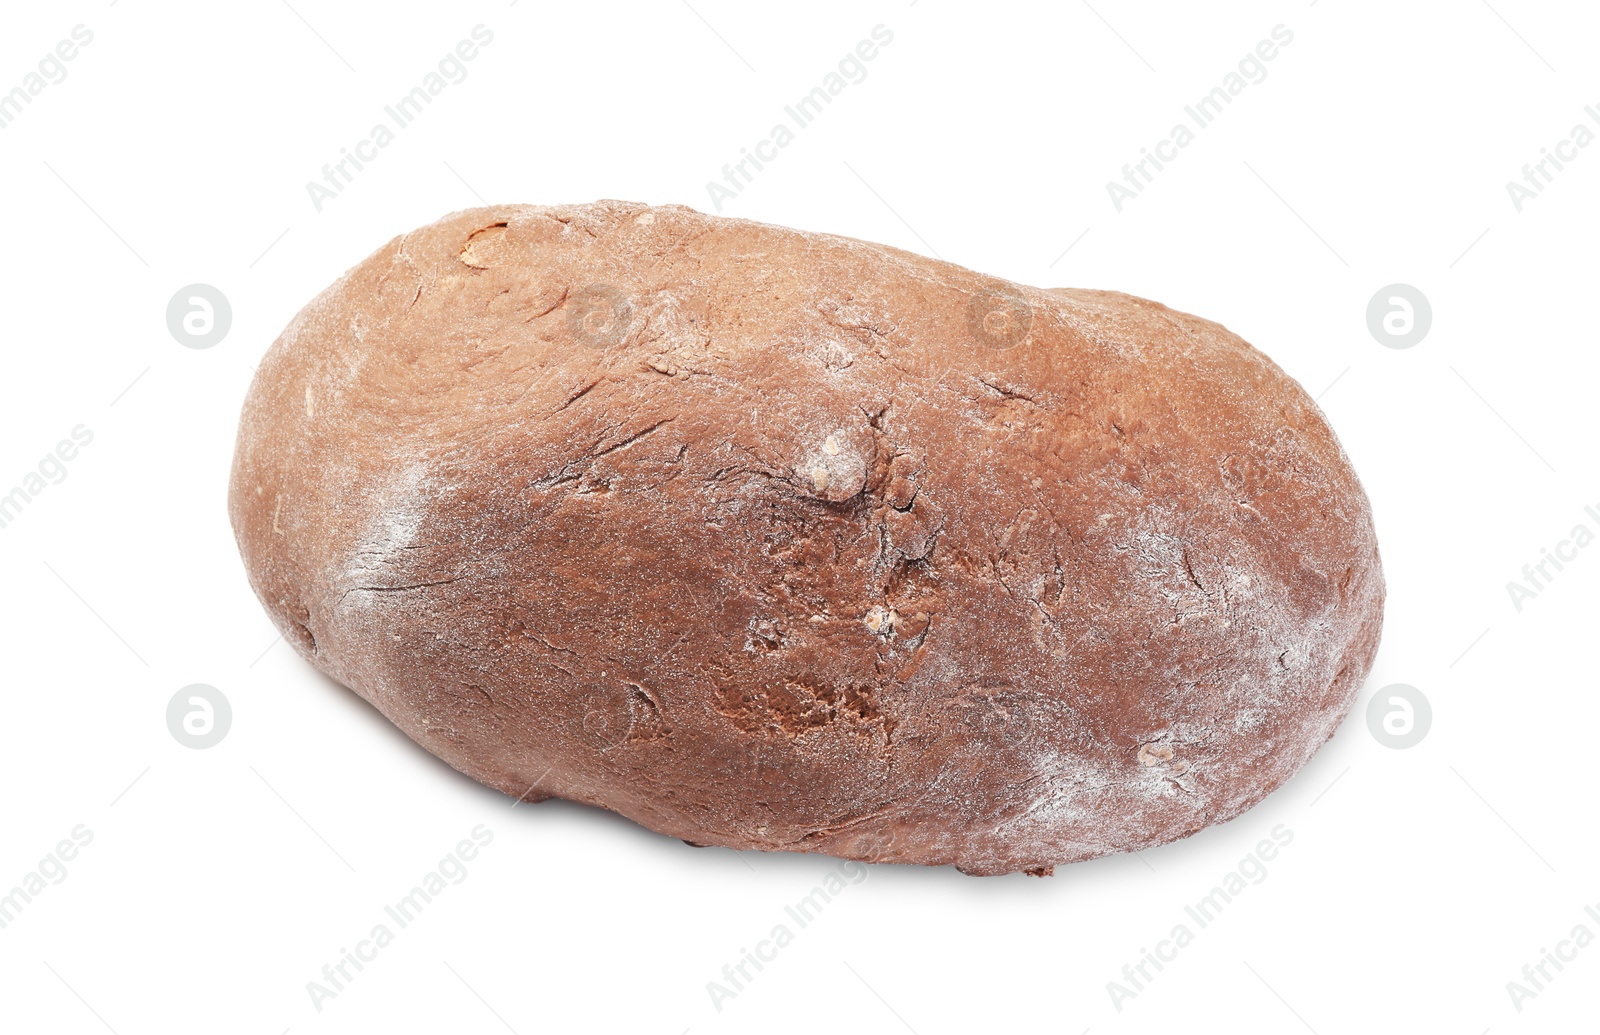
781	540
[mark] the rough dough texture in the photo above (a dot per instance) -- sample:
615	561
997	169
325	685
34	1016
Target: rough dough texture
781	540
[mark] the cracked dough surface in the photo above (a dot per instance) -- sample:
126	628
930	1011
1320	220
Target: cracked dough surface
781	540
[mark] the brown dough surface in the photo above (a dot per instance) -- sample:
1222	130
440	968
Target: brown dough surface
782	540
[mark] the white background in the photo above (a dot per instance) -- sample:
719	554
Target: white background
220	881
